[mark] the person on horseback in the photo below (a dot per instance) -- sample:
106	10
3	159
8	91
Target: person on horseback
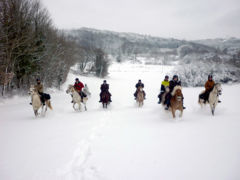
138	85
165	83
208	88
78	86
105	88
174	82
39	88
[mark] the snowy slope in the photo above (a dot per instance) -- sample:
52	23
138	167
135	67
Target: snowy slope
123	142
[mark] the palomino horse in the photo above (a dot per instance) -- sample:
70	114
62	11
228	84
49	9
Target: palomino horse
105	97
140	96
213	97
177	100
76	98
164	95
36	102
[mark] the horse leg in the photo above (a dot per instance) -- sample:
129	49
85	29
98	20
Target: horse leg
213	109
42	110
45	110
173	112
36	112
181	113
74	106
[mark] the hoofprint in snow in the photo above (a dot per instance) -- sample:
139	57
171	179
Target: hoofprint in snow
124	141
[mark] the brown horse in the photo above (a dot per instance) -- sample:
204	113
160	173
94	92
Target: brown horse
105	97
177	101
140	96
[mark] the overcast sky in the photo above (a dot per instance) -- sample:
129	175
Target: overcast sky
183	19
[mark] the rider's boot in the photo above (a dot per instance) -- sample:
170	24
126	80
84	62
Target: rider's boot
219	101
30	103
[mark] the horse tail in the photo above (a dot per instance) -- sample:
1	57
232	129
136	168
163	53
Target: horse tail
49	104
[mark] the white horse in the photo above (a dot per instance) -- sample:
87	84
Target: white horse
36	102
213	97
76	98
86	90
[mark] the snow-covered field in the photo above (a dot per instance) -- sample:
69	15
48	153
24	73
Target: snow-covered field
123	142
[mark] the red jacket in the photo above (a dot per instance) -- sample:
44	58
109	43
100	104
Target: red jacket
78	86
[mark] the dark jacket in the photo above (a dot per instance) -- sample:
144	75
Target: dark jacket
105	87
139	85
173	83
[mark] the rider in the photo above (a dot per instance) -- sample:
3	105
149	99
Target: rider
39	88
165	83
208	88
105	88
174	82
138	85
78	86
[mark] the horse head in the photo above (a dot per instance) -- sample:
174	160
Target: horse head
218	88
32	90
70	89
140	89
176	89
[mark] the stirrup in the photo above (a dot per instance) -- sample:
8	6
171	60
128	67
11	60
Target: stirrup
30	103
166	108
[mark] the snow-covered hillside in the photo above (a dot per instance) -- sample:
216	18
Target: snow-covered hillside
123	142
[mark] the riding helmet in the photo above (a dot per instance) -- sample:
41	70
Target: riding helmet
166	77
76	79
175	76
104	81
210	76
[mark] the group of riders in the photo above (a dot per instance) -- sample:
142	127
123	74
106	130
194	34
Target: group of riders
209	85
78	85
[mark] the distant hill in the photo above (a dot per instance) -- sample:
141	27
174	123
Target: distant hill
194	59
228	46
128	44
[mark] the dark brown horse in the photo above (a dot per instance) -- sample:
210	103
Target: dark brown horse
177	101
105	97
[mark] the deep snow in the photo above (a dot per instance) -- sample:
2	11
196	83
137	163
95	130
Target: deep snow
123	142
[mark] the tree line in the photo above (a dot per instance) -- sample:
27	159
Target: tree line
31	47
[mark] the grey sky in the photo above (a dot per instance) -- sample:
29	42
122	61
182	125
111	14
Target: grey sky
183	19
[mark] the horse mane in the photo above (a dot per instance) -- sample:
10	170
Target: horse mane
175	89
